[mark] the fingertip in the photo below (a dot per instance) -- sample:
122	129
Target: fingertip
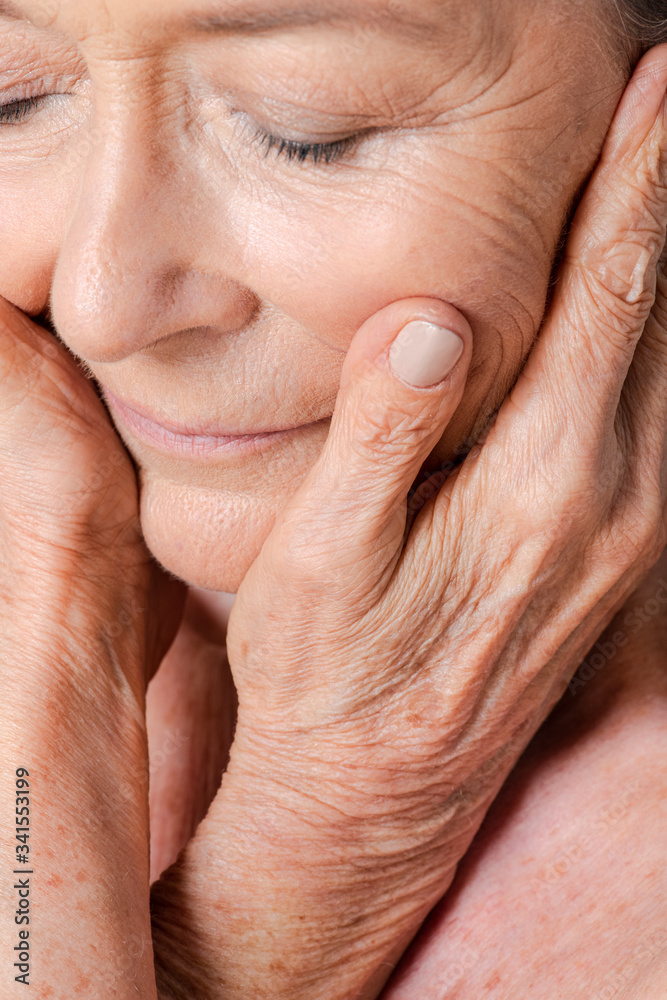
651	70
420	341
424	354
642	100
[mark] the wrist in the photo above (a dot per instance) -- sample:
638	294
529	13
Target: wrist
349	784
297	914
318	868
82	620
115	593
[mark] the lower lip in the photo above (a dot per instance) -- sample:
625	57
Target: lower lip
185	445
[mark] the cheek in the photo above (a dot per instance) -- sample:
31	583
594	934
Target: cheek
32	223
333	260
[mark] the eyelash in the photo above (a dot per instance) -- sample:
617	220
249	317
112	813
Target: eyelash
17	111
320	153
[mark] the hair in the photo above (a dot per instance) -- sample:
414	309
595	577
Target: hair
644	22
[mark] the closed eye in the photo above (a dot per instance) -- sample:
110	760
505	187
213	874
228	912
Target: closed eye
322	153
17	112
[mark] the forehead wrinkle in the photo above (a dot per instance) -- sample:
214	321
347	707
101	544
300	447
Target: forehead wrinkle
263	18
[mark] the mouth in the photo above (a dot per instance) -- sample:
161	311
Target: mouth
193	441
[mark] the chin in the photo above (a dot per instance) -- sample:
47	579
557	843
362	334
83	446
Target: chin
207	538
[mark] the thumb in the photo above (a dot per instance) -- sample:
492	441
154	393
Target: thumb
402	380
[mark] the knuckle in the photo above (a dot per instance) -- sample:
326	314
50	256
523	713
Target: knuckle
392	434
621	278
639	535
305	555
609	311
620	240
659	310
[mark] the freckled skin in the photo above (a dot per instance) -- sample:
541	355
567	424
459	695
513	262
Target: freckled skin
203	279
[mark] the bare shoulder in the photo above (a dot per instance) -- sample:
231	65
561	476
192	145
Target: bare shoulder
564	890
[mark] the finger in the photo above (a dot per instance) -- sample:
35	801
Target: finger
606	286
24	352
555	433
37	372
642	423
402	380
23	342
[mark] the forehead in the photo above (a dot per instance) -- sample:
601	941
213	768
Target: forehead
420	19
444	53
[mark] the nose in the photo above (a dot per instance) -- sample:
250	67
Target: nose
148	251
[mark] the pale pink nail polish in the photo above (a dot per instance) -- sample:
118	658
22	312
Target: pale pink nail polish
424	354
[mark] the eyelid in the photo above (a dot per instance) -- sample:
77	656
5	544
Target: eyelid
35	88
320	150
16	112
325	122
25	91
324	153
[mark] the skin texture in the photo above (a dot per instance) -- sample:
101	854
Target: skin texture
86	617
257	277
607	291
191	712
365	757
587	797
564	885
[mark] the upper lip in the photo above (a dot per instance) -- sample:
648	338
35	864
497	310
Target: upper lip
194	429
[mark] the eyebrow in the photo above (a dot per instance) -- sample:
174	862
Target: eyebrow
8	9
264	18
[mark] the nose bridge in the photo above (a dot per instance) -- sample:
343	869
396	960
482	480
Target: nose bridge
129	244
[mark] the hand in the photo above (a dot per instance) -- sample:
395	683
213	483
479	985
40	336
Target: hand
85	618
68	495
388	679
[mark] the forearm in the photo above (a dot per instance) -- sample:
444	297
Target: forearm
72	718
283	915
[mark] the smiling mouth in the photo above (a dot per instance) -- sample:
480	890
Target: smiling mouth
192	442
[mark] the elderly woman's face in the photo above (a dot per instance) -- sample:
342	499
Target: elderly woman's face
213	196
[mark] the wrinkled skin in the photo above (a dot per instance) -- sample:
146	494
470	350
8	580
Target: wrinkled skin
564	885
365	754
183	263
532	900
261	267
